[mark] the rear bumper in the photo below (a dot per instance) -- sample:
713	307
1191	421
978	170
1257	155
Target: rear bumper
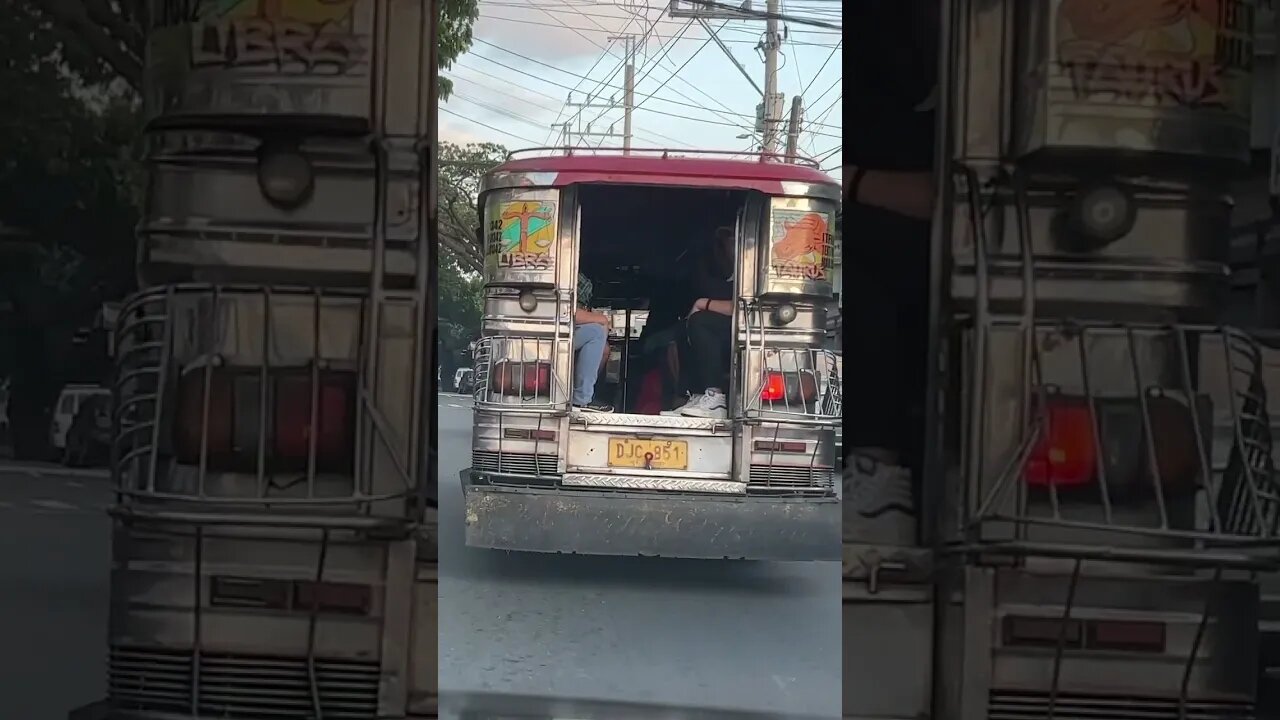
592	522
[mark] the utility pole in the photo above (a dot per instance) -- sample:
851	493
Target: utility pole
793	129
628	89
628	104
772	106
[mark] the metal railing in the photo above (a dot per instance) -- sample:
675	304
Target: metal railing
1135	391
517	373
664	153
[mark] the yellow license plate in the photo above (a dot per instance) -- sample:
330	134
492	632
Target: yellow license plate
650	454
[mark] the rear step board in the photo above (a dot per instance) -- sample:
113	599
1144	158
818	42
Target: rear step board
663	484
642	423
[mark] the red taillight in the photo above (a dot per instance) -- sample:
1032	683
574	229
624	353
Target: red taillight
235	410
1127	635
525	379
346	598
194	422
1065	454
1116	635
795	386
334	438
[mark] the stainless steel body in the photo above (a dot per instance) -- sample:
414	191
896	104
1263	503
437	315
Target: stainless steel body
1079	557
532	452
274	550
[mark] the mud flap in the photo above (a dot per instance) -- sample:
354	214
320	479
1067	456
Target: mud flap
685	526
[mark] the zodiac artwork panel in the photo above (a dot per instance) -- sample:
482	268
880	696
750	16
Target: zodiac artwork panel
800	244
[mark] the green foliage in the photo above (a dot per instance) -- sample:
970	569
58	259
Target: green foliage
461	288
70	184
456	19
461	167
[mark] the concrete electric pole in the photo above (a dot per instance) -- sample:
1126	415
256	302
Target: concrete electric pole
628	90
772	107
628	104
793	128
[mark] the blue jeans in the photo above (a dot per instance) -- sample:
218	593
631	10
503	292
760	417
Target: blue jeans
589	342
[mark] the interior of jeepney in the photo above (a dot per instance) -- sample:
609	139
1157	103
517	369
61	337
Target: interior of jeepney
1153	444
643	249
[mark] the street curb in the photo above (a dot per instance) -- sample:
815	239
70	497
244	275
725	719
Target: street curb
43	469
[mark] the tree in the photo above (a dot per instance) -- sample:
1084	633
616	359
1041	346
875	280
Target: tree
461	167
69	183
461	288
114	32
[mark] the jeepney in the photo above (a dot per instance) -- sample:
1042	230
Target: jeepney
1100	495
757	482
273	549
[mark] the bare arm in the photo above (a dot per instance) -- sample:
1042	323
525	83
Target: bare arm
904	193
720	307
583	316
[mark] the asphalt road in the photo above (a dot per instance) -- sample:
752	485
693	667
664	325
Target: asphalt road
762	637
54	554
739	636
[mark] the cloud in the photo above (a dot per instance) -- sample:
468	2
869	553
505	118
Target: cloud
561	32
459	133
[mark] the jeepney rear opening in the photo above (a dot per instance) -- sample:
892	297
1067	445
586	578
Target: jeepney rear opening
754	481
640	247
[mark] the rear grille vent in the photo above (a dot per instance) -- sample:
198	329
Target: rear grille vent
239	687
775	480
1016	705
514	463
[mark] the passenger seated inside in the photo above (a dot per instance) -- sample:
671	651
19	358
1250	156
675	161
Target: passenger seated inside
888	205
707	327
590	349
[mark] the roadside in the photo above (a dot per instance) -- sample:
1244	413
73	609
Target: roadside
50	469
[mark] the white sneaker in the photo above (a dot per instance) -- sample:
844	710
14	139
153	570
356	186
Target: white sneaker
877	503
710	404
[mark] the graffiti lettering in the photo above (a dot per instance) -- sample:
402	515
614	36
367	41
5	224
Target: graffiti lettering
799	271
1135	76
524	261
281	43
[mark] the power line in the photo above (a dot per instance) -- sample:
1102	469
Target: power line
513	96
665	138
485	125
735	41
666	51
761	15
834	50
618	68
617	17
501	111
605	49
612	87
468	68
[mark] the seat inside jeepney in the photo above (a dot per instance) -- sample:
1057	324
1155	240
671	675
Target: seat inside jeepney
639	246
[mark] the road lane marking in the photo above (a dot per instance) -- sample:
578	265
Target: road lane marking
53	505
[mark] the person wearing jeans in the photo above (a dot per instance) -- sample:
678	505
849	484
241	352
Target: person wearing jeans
590	348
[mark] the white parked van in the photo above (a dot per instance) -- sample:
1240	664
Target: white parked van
69	401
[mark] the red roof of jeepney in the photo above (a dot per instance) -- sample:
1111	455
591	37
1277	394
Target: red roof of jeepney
667	168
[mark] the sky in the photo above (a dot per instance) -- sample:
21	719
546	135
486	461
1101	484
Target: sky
529	55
